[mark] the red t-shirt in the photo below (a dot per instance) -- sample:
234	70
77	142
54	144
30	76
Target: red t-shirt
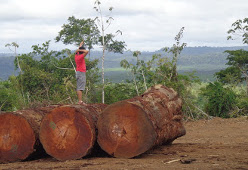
80	62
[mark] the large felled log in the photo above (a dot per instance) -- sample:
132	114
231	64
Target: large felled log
131	127
19	132
69	132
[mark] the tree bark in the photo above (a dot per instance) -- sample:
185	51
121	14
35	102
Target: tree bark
69	132
19	133
131	127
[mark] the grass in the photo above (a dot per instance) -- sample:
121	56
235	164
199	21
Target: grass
201	67
119	74
115	69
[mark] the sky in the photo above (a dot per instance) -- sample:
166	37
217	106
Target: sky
147	25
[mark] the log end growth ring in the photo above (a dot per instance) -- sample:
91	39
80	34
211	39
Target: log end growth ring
66	134
17	138
124	130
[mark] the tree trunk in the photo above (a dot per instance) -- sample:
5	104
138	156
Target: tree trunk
131	127
69	132
19	133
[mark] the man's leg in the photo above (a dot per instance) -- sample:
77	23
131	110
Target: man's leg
79	94
81	81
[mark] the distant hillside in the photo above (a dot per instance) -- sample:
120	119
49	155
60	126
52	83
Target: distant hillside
202	59
7	67
191	56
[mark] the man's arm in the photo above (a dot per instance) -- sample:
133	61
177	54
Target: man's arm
82	50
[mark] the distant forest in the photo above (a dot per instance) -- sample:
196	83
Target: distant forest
204	60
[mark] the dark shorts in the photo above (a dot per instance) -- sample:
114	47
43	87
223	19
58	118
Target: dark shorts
81	80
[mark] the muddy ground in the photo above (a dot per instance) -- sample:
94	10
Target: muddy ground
209	144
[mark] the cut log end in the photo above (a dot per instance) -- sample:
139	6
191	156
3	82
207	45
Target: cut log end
17	138
66	134
125	130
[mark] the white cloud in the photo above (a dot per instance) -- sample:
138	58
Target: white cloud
146	25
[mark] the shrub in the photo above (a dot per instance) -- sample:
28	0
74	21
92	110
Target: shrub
220	99
115	92
243	106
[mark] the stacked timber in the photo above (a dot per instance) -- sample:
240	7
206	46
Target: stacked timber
69	132
19	132
131	127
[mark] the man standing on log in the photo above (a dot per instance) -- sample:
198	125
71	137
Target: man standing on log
81	53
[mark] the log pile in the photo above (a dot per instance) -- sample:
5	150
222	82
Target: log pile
131	127
69	132
124	129
19	132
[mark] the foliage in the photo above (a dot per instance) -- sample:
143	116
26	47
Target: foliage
80	29
238	68
47	77
111	44
106	40
238	58
182	83
115	92
158	70
140	71
176	50
163	70
11	98
220	99
77	30
166	70
242	106
6	96
239	29
231	75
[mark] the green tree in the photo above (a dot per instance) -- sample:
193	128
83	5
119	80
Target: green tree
106	40
17	62
231	75
176	50
165	73
158	70
238	59
239	29
166	70
133	69
77	30
49	76
15	45
140	71
86	29
38	75
238	68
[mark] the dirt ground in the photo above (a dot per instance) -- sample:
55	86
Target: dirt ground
209	144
